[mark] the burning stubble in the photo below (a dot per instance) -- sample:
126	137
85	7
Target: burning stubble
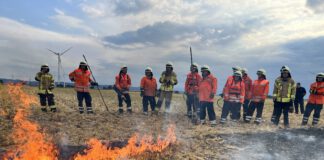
33	144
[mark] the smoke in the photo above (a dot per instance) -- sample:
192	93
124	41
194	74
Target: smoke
292	144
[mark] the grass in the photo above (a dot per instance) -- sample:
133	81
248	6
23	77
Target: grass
69	128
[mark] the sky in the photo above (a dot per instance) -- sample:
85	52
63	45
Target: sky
252	33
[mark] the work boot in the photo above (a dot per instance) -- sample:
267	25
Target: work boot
81	111
129	111
120	111
145	113
304	123
202	122
53	109
90	112
223	120
44	109
189	114
213	123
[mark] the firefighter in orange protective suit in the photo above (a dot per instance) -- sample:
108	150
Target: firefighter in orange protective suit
248	86
315	100
259	93
122	85
148	90
82	81
207	92
191	91
234	92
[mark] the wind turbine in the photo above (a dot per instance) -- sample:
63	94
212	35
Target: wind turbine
59	64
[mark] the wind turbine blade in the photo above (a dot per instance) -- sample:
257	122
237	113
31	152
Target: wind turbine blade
66	51
52	51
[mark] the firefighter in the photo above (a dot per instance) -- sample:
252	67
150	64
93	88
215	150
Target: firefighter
283	95
248	86
259	93
82	81
191	91
230	78
168	80
207	92
122	85
299	100
45	88
234	92
315	100
148	90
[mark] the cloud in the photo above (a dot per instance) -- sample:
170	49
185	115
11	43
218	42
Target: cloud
69	22
316	5
124	7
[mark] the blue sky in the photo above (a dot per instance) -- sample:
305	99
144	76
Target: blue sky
252	33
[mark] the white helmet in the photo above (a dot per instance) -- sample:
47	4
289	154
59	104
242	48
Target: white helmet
148	69
262	71
244	70
123	66
236	68
285	68
237	73
170	64
320	75
205	68
195	65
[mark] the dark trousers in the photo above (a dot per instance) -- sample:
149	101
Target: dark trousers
209	106
258	106
127	100
299	103
273	117
245	108
282	108
84	96
233	108
167	96
317	112
46	99
192	103
148	100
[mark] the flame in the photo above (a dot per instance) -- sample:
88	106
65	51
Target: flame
135	147
30	142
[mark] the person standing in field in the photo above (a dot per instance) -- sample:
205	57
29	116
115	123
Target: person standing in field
82	81
45	88
299	100
148	90
234	92
207	92
122	86
259	93
283	95
168	80
248	86
315	100
191	91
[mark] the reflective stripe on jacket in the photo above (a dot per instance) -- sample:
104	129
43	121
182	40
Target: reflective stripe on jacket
284	91
172	78
81	80
317	98
234	91
46	81
207	86
192	83
260	90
